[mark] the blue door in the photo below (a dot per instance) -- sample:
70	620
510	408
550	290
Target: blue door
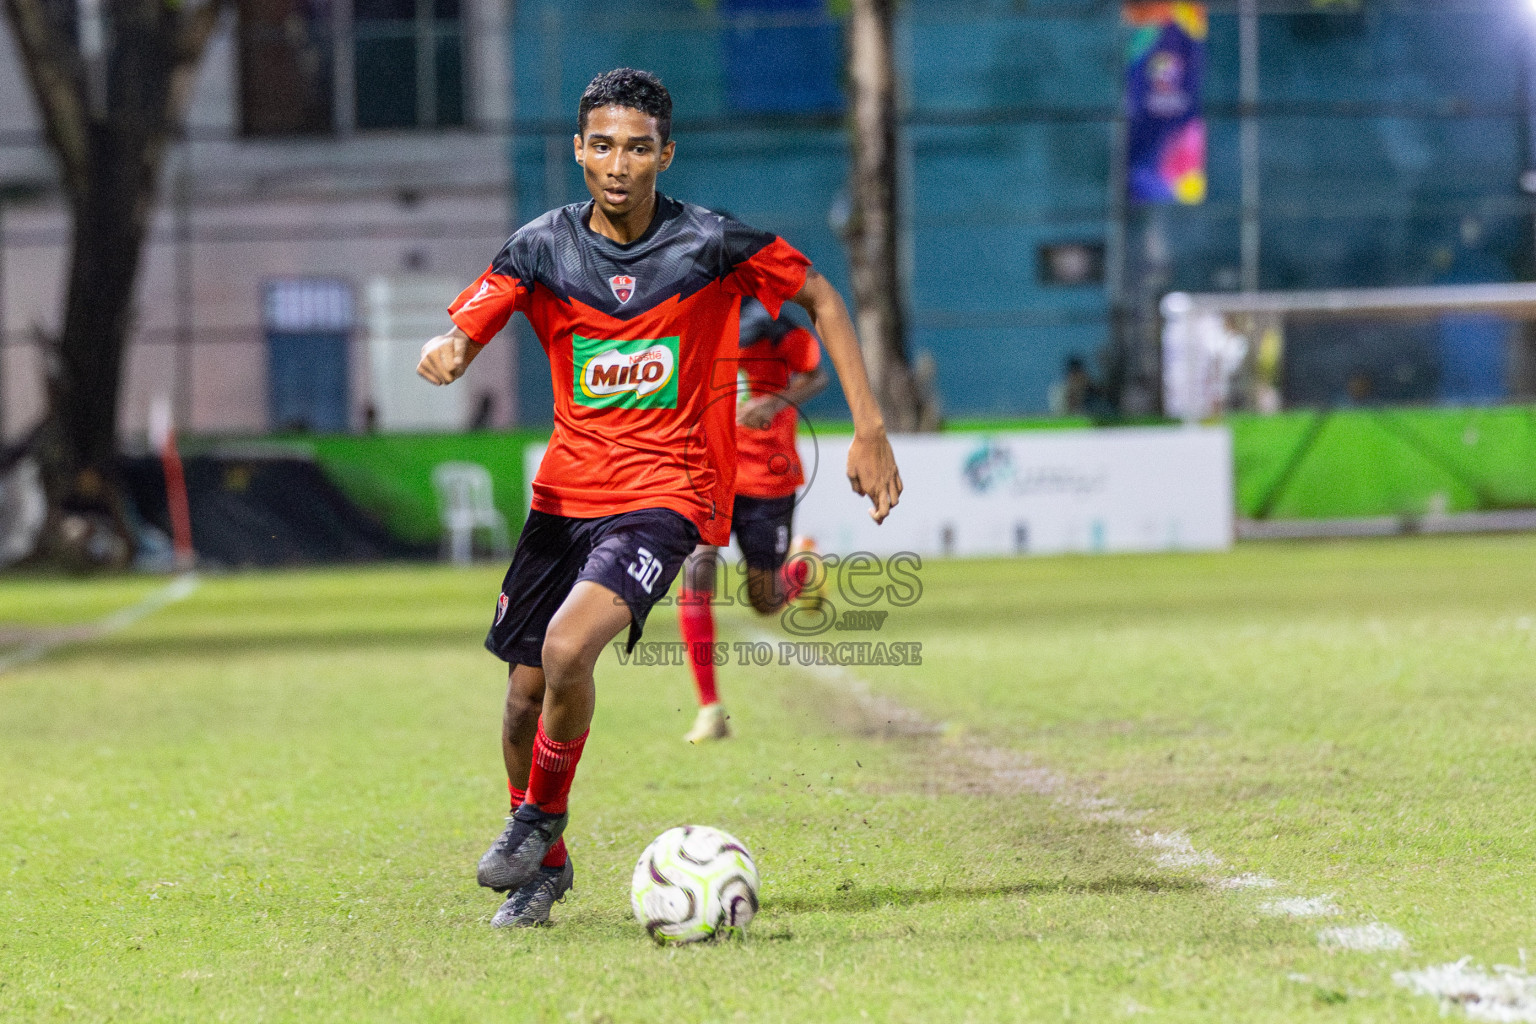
307	380
308	323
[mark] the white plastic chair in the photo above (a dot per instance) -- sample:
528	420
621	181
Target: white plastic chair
464	505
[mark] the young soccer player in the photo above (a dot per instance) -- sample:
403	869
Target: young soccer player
780	370
634	297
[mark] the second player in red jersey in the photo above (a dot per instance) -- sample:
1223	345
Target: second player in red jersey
780	370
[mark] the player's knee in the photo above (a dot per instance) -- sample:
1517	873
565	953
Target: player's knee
521	708
566	656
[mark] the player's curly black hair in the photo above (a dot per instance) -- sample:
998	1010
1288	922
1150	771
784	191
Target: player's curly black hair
626	87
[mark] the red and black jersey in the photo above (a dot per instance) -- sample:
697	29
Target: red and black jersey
642	346
772	350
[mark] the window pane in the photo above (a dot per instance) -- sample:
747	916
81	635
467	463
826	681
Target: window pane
386	80
781	56
285	67
450	80
384	10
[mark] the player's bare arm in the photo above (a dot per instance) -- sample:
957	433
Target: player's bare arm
871	463
445	358
758	413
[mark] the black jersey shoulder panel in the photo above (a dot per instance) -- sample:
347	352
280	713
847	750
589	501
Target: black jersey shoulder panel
756	324
685	249
525	255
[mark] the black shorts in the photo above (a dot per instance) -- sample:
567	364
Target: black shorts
762	527
634	554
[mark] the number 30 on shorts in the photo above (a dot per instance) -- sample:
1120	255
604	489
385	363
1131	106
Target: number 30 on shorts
645	568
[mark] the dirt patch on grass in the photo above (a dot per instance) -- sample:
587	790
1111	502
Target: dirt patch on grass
25	636
954	763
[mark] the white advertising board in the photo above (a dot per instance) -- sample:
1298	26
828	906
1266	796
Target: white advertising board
1033	492
1037	492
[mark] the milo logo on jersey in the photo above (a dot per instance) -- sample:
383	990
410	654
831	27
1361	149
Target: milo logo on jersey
640	374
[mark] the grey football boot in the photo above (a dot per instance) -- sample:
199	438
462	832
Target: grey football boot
514	858
529	906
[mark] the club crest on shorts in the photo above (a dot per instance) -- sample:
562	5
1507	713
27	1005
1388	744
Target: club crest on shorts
623	287
501	608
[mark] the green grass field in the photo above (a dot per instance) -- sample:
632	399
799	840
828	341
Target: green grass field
266	802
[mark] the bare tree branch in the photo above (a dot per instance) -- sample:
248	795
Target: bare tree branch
191	40
54	69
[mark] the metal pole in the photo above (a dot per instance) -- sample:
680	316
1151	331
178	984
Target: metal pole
1248	96
184	291
426	65
1527	127
557	150
1115	261
343	69
515	410
4	332
1157	276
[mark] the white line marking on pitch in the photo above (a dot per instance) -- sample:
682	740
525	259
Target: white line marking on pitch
1176	850
1506	995
177	590
1364	938
1301	906
1248	880
1171	849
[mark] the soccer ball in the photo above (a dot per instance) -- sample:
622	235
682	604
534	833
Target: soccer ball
694	883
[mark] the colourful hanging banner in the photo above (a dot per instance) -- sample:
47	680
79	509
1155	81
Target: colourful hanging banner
1165	121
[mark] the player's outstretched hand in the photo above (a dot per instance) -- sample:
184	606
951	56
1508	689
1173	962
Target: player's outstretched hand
445	358
872	472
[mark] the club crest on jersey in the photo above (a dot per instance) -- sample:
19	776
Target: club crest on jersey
637	374
623	287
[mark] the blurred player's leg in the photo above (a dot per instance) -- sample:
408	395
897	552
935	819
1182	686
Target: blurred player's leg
778	571
802	571
696	622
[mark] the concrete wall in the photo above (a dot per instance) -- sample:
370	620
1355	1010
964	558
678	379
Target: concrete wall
434	202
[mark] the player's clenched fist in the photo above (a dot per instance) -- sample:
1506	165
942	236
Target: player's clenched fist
445	358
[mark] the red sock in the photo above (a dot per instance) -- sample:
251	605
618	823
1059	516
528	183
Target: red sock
554	766
793	577
696	622
555	858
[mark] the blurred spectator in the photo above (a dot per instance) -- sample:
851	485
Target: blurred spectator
1075	394
485	412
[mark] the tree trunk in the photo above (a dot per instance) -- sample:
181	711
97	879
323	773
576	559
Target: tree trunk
874	229
109	113
79	439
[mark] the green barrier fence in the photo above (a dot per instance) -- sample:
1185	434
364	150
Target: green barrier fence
390	475
1298	465
1384	462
